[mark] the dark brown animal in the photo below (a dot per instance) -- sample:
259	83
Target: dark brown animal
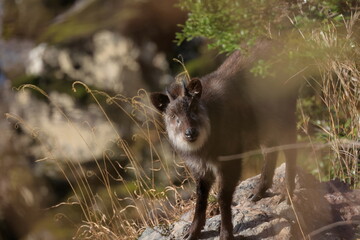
226	112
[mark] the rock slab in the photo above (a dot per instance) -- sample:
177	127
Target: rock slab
328	210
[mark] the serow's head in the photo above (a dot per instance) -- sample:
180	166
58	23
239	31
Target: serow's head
186	119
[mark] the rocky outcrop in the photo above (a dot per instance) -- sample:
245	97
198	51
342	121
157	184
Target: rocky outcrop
65	129
327	210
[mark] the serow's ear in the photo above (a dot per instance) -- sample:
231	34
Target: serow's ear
160	101
194	88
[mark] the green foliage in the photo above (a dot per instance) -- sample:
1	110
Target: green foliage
236	24
224	22
261	68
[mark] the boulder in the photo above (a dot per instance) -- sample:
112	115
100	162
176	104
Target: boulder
328	210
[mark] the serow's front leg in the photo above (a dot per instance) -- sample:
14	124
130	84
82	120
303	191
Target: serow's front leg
266	177
227	184
203	186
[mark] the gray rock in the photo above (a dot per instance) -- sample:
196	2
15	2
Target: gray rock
14	55
82	135
314	208
111	63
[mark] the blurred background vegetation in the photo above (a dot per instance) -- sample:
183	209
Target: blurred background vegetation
83	154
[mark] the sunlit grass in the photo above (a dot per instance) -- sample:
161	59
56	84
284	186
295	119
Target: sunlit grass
338	118
146	193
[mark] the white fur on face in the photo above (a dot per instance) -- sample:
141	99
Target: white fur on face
178	141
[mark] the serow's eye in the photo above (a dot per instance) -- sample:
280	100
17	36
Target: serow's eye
172	116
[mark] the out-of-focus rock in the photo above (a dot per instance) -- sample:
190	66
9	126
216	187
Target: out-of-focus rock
318	210
111	63
62	130
14	55
66	130
22	193
35	64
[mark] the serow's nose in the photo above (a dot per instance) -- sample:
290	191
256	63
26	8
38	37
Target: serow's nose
191	134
